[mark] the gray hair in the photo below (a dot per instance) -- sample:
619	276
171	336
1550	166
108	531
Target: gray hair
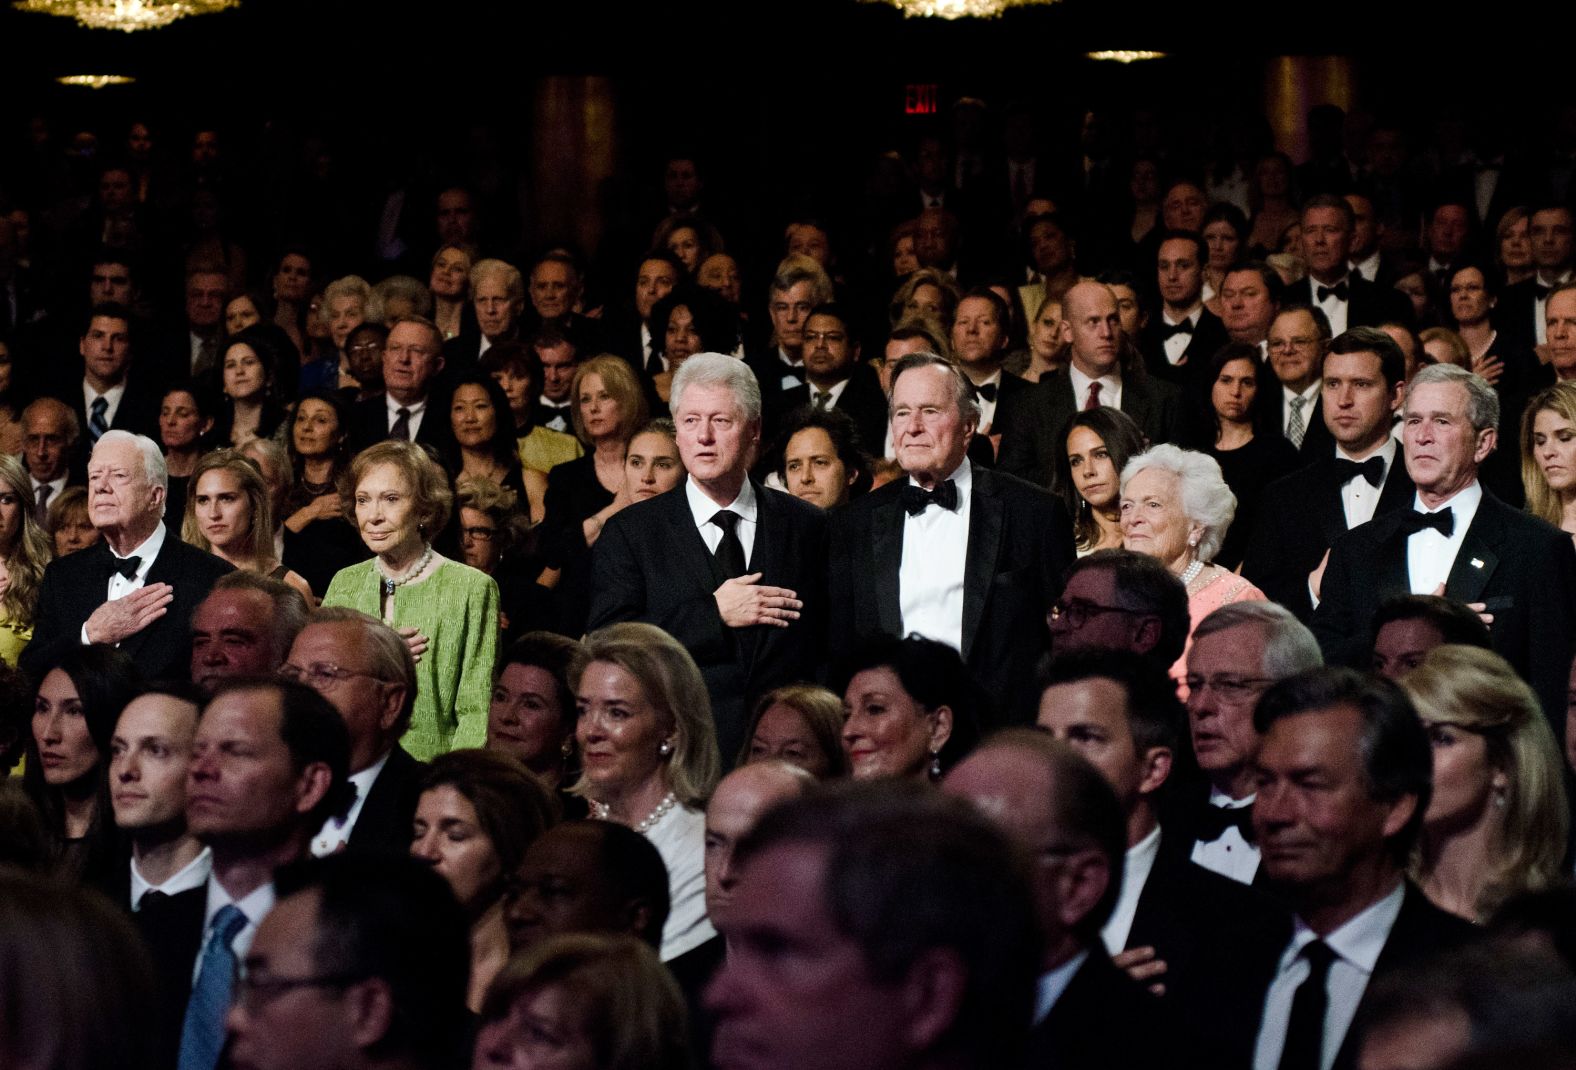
1289	647
351	286
1482	401
962	389
406	288
1206	500
719	369
290	608
153	468
796	269
392	662
513	281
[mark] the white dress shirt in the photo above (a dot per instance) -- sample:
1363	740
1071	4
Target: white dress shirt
416	411
56	486
836	390
988	408
1430	555
680	838
1311	395
1230	855
112	398
1333	307
192	875
1049	988
335	833
1359	498
1110	388
703	509
793	370
255	905
935	554
1368	269
645	349
1135	874
1357	945
1177	344
120	586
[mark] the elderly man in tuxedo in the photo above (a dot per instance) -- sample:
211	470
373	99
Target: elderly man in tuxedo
1457	540
956	553
732	569
137	587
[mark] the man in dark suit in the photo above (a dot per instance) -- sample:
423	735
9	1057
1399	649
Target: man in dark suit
1457	540
1088	1013
1519	315
109	389
1095	377
365	669
412	406
734	571
136	587
953	552
1344	776
1121	600
1209	942
799	287
836	378
498	298
244	628
1302	514
1289	405
1178	344
1345	297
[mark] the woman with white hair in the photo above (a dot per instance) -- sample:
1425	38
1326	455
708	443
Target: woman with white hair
1177	508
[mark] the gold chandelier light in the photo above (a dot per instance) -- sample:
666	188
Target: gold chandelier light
126	15
958	9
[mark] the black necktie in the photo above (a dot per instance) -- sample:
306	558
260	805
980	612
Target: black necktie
128	566
1305	1029
915	499
729	554
1323	293
654	364
1542	290
1443	522
401	428
987	391
1169	329
1372	470
1215	820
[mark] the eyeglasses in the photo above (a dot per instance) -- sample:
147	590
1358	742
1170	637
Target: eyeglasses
1230	688
477	534
1077	614
1290	343
321	674
253	992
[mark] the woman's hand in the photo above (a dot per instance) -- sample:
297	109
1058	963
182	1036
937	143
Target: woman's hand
1489	367
323	507
416	641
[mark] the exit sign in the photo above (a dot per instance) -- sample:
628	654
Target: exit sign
920	99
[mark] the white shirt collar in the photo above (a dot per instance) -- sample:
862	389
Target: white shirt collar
1360	939
1386	450
192	875
148	549
1310	393
1191	317
962	477
413	408
254	904
703	508
1109	384
1226	802
1464	501
1052	983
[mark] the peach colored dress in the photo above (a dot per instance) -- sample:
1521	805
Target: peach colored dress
1224	588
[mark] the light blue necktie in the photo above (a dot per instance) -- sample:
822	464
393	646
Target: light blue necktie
202	1036
97	425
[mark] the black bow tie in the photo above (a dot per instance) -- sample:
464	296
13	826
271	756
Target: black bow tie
1542	291
1372	470
1323	293
1167	330
1215	820
1443	522
127	566
987	391
915	499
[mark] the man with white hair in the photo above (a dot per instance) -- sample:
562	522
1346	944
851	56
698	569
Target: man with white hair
136	588
733	570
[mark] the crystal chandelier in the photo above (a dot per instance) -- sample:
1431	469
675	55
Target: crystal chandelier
95	81
127	15
958	9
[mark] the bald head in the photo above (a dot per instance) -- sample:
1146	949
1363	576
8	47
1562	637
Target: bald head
1093	327
738	803
49	434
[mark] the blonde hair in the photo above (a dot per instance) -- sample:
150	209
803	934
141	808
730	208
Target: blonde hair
26	560
619	379
1543	500
1477	690
673	685
259	547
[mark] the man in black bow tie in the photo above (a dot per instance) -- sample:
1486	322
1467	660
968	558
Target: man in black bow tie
1459	541
1346	298
135	588
963	555
979	338
1178	343
1301	514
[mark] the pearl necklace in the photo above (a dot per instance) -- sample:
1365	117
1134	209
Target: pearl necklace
392	582
1190	573
600	811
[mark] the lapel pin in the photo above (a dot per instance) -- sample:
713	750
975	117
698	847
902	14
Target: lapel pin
1477	562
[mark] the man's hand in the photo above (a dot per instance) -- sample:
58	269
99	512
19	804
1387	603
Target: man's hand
742	603
1142	964
115	622
1477	607
416	641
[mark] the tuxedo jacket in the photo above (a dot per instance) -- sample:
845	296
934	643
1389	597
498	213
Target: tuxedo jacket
1036	423
1104	1020
1515	316
1221	942
77	584
1299	517
862	401
369	422
651	564
1521	568
171	928
1011	394
1367	304
1208	338
385	819
1020	542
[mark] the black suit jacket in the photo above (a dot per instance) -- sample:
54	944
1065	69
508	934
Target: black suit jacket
651	564
1220	941
1020	542
1035	428
77	584
1106	1021
369	422
1208	337
1299	518
862	401
1367	305
1521	568
384	822
171	927
138	411
1317	441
